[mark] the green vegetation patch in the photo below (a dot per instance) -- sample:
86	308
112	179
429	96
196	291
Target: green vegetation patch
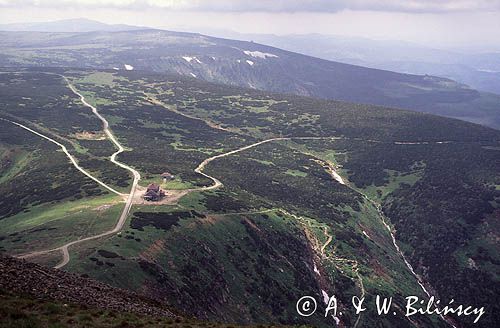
395	181
100	78
12	162
296	173
107	254
22	311
160	220
51	225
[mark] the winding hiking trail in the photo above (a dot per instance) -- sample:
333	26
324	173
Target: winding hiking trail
130	196
328	240
354	264
68	154
151	99
392	233
216	184
331	170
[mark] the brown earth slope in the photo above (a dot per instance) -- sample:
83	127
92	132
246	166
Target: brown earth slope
24	278
35	296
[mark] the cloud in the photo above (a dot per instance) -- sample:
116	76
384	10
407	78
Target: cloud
419	6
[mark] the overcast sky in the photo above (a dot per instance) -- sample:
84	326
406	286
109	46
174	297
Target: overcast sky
430	22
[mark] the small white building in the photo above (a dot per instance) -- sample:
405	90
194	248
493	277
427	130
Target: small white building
166	176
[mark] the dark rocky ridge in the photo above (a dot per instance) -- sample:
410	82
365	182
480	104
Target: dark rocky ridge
21	277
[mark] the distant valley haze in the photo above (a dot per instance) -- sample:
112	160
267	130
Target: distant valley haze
435	23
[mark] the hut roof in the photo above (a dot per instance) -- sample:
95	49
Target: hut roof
153	187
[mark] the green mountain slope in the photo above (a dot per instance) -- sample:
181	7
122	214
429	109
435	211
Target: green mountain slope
282	225
247	64
69	300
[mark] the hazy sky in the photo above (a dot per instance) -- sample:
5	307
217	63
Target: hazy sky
431	22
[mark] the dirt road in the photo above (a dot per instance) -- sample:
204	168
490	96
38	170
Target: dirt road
128	204
68	154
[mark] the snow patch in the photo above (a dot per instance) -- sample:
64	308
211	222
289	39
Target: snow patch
487	70
190	59
316	269
249	62
326	298
258	54
116	68
411	143
337	177
337	320
192	74
364	233
128	67
472	264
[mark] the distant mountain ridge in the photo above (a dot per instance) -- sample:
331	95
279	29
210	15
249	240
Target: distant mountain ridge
67	25
479	69
247	64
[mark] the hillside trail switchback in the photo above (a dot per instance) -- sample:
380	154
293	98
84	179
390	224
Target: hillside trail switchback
129	198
